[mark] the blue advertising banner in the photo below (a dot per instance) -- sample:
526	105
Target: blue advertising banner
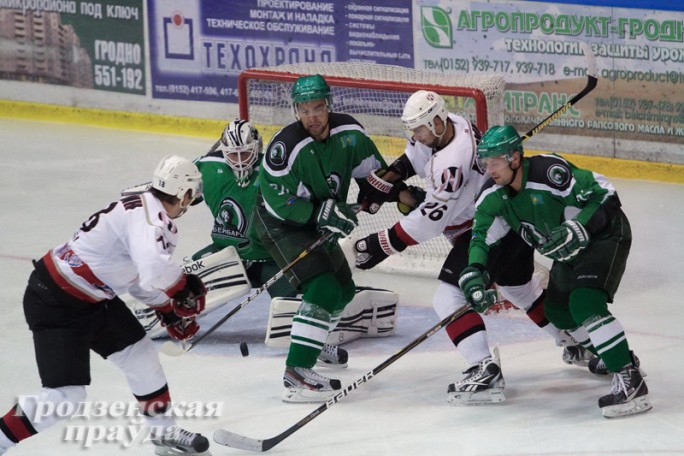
198	49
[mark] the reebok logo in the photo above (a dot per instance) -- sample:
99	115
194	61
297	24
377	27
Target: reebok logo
192	267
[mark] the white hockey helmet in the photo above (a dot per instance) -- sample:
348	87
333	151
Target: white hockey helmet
241	146
176	175
421	109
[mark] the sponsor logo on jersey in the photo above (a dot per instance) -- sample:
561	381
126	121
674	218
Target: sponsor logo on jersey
230	220
559	175
451	180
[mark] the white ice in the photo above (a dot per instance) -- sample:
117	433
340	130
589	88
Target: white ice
53	176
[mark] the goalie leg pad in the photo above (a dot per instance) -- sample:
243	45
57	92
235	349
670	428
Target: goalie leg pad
372	313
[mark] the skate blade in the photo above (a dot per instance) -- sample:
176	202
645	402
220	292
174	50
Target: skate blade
168	451
305	396
490	396
321	363
634	407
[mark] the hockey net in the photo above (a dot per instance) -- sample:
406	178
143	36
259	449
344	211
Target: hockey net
375	95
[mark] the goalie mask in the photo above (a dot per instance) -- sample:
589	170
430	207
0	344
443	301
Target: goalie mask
241	146
421	109
176	176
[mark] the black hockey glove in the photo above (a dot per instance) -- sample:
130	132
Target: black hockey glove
418	195
374	248
375	191
565	241
338	217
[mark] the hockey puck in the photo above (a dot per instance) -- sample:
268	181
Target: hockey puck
244	349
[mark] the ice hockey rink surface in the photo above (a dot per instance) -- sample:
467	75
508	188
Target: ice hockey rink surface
55	175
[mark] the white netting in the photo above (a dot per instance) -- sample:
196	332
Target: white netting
375	95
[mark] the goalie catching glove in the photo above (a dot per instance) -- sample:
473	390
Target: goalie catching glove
374	191
338	217
473	282
374	248
565	241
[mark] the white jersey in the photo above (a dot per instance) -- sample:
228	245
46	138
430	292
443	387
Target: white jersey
452	181
126	247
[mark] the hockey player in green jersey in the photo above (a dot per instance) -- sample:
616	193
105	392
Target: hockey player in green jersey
573	217
305	179
230	176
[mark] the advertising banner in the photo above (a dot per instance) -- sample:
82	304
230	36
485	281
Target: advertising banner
93	45
198	49
536	46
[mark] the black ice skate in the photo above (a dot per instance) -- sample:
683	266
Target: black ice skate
598	367
483	384
178	441
304	385
629	395
332	356
577	355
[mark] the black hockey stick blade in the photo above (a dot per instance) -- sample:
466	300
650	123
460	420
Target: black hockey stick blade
231	439
592	80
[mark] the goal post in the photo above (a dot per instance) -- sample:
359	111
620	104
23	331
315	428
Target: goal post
375	95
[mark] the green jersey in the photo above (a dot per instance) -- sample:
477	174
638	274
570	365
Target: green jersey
231	206
298	172
553	190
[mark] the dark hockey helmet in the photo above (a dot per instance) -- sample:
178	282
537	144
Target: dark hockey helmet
499	141
310	88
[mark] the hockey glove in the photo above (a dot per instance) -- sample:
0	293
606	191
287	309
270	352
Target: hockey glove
473	283
418	195
191	300
374	191
177	327
340	218
374	248
565	241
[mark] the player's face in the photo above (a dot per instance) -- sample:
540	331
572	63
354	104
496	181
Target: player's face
314	118
425	136
499	168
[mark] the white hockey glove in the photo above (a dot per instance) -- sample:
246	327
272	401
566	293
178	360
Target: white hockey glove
338	217
565	241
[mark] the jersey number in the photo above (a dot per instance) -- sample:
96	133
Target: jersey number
434	211
92	221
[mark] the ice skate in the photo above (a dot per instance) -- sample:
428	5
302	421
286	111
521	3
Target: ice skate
304	385
332	356
178	441
598	367
483	384
577	355
629	395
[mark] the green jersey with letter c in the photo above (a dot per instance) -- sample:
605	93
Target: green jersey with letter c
231	206
298	173
553	190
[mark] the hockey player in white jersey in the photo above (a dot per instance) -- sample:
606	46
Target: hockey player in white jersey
442	149
72	306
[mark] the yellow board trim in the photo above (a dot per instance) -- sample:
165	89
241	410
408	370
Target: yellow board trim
208	128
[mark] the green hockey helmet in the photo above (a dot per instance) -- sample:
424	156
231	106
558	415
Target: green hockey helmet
499	141
310	88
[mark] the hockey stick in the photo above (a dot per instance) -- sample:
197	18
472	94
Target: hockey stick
234	440
172	349
592	80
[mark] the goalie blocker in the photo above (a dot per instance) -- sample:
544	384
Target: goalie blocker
223	275
372	313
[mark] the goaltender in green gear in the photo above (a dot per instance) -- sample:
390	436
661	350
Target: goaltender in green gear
304	182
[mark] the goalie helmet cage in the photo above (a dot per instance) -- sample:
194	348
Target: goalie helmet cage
375	94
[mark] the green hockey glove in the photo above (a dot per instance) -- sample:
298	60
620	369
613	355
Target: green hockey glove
565	241
473	283
338	217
